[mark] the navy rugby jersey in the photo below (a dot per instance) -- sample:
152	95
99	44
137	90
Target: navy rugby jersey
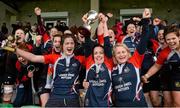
172	58
98	76
126	83
127	88
131	42
65	76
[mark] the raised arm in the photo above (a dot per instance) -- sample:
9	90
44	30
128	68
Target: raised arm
89	44
107	44
137	57
100	29
41	29
29	56
142	45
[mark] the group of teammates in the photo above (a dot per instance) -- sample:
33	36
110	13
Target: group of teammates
113	69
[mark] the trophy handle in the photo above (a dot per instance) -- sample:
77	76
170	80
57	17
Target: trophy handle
31	68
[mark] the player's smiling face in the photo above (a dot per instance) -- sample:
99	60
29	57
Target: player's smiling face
53	32
131	29
161	36
121	55
68	46
98	55
56	42
173	41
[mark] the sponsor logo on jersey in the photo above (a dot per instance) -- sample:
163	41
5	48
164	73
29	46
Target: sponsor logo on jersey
126	70
177	84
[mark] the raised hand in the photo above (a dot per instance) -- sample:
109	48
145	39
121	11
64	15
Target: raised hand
102	18
136	19
146	13
109	15
84	18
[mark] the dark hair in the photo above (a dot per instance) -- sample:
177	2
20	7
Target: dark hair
96	45
74	30
171	29
67	36
128	22
57	35
161	27
95	36
62	27
113	29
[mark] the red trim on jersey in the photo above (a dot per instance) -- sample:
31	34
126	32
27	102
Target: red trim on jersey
81	59
119	38
90	61
163	55
51	58
122	39
50	70
45	37
155	45
51	66
101	39
30	47
24	78
109	63
136	59
18	67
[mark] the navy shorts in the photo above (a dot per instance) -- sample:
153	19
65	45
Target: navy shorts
63	102
155	82
165	79
42	90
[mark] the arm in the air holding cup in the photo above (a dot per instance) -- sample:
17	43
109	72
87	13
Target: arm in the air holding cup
100	30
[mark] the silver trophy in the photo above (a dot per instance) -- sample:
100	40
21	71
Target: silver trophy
7	44
92	16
